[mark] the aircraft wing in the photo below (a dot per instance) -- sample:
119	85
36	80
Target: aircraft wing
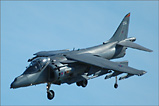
104	63
50	53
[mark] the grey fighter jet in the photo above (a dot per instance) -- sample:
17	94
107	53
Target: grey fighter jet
78	66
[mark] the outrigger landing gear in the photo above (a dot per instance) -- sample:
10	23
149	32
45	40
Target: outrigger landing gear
115	85
50	93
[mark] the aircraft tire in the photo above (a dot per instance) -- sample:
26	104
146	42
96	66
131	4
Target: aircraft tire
84	83
50	94
115	85
78	84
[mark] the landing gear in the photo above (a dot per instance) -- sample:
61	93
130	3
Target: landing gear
50	93
82	83
116	85
78	84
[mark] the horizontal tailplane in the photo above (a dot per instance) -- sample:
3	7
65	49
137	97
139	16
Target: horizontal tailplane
133	45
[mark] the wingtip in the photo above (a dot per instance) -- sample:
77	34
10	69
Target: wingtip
151	51
142	73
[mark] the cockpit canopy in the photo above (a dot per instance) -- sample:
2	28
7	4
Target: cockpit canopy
36	65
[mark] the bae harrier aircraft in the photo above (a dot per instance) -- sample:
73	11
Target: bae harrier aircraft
78	66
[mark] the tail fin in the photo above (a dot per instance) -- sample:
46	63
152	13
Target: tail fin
122	31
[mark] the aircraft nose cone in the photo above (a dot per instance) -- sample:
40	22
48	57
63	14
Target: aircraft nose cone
13	83
20	81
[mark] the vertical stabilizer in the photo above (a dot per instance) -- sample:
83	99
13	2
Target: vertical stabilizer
122	31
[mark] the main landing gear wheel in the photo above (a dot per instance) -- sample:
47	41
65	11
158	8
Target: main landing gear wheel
50	93
82	83
116	85
78	84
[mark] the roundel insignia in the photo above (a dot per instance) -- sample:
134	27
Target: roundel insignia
120	65
124	23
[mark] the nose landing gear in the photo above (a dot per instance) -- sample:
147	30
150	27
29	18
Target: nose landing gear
50	93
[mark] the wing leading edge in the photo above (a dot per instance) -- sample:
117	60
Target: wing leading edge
105	63
50	53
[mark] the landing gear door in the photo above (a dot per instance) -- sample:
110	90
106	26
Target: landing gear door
51	73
